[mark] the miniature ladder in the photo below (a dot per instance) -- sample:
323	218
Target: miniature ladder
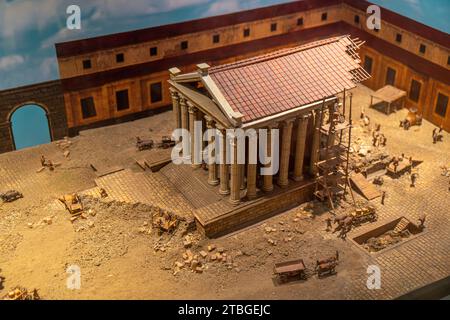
401	225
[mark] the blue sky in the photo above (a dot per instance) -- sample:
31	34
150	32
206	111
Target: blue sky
30	28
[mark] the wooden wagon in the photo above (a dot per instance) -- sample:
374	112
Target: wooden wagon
294	269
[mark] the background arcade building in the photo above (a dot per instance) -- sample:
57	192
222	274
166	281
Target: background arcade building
123	76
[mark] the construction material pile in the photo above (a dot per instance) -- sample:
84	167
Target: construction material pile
385	240
165	221
20	293
389	238
2	279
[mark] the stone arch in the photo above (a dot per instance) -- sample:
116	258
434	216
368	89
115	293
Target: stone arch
24	105
47	95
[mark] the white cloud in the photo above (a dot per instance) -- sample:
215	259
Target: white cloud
48	68
221	7
21	15
11	61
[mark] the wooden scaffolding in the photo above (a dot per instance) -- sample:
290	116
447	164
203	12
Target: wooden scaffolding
332	178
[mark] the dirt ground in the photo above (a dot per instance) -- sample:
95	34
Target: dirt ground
122	257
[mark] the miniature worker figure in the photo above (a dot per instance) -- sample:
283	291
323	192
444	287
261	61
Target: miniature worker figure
329	226
410	164
42	160
374	139
343	233
50	165
382	140
435	136
422	221
395	163
378	127
413	180
383	196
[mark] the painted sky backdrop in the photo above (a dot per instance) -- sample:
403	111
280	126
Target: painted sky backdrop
30	28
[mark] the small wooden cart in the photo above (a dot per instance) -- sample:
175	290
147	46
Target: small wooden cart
294	269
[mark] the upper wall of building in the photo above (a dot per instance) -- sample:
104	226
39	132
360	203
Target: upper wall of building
178	45
396	32
84	57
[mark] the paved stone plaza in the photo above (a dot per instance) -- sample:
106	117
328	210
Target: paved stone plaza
38	256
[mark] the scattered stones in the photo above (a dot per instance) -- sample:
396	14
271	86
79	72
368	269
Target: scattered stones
142	230
221	250
187	242
272	242
92	212
90	224
47	220
203	254
211	247
188	256
194	264
30	225
66	153
270	229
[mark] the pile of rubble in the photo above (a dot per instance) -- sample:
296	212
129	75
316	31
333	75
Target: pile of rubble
2	279
10	195
385	240
201	261
64	145
20	293
44	222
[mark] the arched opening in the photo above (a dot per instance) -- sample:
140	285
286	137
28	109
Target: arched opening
29	126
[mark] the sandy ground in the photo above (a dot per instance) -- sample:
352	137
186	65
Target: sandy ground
115	246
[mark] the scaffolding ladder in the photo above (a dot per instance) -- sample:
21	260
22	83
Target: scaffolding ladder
333	165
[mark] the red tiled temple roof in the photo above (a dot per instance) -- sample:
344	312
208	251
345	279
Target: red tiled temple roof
276	82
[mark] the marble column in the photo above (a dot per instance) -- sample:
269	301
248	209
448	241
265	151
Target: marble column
283	177
251	181
268	179
300	147
242	176
212	168
315	142
235	192
176	107
252	165
223	167
185	125
192	118
184	114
